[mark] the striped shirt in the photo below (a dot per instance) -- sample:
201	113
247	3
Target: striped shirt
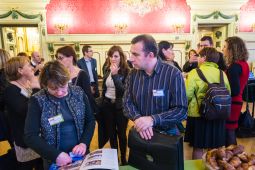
161	95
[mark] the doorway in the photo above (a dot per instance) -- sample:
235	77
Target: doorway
20	38
219	32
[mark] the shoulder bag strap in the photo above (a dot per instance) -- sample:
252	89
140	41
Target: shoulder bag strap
201	75
221	78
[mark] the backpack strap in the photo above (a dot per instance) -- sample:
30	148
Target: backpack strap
201	75
221	78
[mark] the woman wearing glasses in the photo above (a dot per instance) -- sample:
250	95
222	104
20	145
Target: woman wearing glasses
67	56
59	118
116	71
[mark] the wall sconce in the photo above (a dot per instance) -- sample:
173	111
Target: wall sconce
62	23
178	28
120	28
61	27
120	22
176	21
253	27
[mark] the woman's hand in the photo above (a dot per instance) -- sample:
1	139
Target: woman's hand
80	149
34	82
63	159
114	69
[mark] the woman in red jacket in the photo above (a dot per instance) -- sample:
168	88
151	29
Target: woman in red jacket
236	55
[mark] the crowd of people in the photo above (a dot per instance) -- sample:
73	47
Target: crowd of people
50	109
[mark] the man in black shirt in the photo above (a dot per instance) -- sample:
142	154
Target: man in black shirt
206	41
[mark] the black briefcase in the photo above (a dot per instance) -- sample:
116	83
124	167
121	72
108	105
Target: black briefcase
163	152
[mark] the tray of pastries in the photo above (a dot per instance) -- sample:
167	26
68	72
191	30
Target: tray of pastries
232	157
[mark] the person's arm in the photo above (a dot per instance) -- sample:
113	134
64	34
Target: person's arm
96	79
234	72
84	83
17	106
190	85
178	103
119	82
129	108
32	133
89	124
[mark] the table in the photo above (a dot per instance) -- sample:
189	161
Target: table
188	165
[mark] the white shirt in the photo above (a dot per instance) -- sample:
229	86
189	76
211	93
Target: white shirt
110	88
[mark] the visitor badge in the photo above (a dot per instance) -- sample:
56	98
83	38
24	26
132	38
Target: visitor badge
56	119
158	92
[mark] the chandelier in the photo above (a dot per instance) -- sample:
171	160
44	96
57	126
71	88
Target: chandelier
142	7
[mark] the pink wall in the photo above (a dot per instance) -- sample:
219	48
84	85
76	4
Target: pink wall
247	16
96	16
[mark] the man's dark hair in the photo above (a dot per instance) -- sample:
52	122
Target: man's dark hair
164	45
149	43
208	38
85	48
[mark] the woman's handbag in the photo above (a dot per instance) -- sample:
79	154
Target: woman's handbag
25	154
246	120
161	152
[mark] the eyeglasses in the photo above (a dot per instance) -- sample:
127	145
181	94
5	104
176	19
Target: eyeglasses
90	51
60	57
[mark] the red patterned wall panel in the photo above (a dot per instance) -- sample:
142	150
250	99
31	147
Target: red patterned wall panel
247	16
96	16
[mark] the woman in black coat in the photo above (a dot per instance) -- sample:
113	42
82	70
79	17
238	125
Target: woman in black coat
116	71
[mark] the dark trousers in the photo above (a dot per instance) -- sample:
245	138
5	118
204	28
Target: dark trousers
115	127
36	164
230	137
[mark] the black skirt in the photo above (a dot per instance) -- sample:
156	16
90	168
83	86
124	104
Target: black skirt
201	133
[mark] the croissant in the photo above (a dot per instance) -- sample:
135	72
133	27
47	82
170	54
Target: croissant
221	153
211	154
238	149
229	155
226	165
235	161
251	167
212	162
245	166
243	156
251	160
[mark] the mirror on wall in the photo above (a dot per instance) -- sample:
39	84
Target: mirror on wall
17	39
218	32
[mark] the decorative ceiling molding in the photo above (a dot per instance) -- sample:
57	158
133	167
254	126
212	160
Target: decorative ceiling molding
15	15
219	5
215	15
31	5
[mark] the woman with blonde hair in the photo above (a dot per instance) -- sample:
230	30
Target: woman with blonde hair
19	73
236	55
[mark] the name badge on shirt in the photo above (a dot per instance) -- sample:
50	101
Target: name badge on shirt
158	92
56	119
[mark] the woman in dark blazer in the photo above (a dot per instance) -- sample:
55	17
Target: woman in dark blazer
116	72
